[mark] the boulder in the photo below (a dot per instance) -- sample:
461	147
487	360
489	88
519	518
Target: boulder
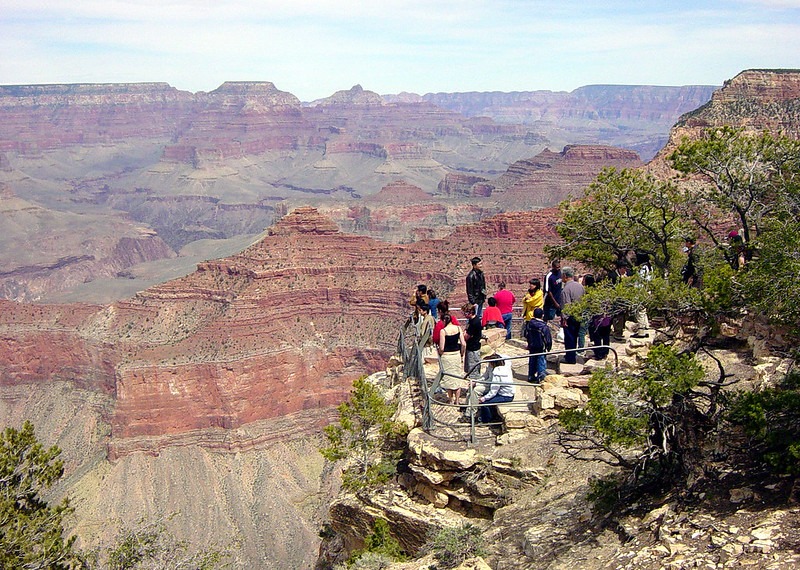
517	420
430	476
569	398
424	451
436	498
352	518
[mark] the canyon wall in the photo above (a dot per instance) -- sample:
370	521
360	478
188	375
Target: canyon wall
756	99
205	395
102	184
281	328
636	117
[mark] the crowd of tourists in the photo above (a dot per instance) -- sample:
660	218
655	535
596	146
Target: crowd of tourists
457	344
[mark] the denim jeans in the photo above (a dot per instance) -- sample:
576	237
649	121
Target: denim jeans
550	313
537	368
507	322
489	414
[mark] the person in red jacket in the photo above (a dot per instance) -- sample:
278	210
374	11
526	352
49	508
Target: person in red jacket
492	317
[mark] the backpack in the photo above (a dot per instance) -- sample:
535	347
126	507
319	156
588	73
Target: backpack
538	336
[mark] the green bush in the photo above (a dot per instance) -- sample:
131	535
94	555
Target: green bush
636	419
451	546
360	435
772	421
379	545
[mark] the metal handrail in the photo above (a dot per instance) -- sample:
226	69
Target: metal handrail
413	366
563	351
471	382
470	387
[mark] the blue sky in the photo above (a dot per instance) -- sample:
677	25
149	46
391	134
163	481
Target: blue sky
313	48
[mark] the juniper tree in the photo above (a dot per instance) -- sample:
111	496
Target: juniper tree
364	422
754	177
751	176
31	531
621	211
647	421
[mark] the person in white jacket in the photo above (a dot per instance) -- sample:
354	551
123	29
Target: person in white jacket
499	381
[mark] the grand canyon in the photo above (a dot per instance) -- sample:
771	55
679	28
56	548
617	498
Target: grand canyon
155	179
190	283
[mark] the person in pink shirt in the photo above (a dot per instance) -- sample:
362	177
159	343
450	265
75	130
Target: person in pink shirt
505	303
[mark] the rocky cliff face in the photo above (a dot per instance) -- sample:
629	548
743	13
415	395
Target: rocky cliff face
763	99
757	99
631	116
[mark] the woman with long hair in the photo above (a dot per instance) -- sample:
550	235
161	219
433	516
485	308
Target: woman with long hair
451	351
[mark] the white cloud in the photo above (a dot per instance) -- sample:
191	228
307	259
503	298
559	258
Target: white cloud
313	48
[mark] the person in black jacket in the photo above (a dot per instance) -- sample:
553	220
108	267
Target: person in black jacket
476	286
540	340
691	272
472	336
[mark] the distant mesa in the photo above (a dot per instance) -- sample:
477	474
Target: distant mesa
304	220
356	95
264	92
399	192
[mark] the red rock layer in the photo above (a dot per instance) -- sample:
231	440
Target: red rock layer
282	328
43	343
544	180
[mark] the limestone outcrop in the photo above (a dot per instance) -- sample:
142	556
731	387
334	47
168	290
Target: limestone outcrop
549	177
756	99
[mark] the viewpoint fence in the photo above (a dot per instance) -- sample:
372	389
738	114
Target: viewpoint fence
410	348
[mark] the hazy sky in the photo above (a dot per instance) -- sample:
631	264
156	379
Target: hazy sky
313	48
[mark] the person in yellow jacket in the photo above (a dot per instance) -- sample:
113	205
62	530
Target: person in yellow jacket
534	299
